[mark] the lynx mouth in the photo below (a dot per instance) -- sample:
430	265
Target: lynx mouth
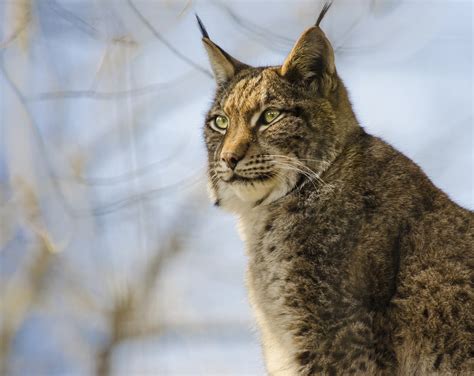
236	178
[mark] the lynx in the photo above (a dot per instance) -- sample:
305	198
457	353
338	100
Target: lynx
357	263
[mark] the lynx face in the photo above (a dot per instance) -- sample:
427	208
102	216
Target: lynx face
270	129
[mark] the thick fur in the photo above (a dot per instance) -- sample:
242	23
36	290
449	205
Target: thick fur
358	264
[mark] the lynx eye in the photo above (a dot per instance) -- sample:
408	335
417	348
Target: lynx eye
270	116
220	123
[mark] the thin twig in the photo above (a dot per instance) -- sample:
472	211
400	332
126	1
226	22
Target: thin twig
264	36
36	133
149	195
74	19
107	95
165	42
16	33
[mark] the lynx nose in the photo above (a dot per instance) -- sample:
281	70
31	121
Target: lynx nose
230	159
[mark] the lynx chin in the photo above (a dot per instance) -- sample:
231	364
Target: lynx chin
357	263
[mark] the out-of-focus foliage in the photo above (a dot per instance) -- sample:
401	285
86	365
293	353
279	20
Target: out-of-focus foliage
111	260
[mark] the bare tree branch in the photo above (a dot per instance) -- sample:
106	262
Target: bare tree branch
109	95
74	19
149	195
267	38
36	133
16	33
22	299
130	308
121	178
165	42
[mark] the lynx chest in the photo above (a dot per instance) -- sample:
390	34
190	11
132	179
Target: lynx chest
265	280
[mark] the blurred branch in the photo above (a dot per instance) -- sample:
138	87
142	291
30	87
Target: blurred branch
118	319
339	45
128	317
93	94
124	177
8	220
81	24
111	95
36	133
19	296
267	38
149	195
73	19
186	8
158	36
15	34
19	19
100	67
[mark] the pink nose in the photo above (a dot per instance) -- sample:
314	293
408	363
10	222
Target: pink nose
230	159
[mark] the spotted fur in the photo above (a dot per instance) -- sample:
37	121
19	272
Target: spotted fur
358	264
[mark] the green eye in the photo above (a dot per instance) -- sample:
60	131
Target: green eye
221	122
270	115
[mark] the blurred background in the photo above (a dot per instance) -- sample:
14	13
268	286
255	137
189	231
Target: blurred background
112	260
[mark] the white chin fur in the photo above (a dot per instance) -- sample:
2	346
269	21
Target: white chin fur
238	197
253	192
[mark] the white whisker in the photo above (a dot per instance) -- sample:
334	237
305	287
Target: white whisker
298	162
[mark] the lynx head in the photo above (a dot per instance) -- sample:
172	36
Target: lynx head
271	129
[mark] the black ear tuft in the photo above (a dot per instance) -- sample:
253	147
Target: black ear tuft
223	65
311	59
201	27
322	14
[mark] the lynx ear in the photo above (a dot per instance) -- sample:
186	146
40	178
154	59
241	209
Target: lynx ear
223	65
312	58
